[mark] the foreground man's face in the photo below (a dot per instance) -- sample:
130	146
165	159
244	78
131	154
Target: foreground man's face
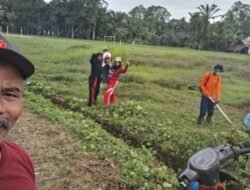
11	98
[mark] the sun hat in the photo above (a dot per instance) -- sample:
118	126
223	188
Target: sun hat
118	59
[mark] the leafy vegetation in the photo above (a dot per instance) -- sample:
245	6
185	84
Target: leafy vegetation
138	168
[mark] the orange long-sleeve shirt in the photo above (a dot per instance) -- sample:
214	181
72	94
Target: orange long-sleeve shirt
210	85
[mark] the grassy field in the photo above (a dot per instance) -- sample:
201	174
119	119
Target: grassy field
155	110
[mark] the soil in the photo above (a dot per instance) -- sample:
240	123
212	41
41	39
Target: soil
60	160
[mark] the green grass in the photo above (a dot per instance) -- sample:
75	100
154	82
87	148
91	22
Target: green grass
156	81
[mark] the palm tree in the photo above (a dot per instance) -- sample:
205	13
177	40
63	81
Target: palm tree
207	12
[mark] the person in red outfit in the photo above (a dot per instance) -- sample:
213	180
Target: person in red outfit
114	73
16	168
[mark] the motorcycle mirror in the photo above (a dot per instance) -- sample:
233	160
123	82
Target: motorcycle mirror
247	122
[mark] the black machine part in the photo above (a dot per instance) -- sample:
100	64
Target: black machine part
205	165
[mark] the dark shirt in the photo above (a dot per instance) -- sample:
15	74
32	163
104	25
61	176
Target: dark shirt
96	67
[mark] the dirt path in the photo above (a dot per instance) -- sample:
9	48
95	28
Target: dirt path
59	158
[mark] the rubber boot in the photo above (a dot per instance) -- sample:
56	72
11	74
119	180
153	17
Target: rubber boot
209	117
209	120
199	121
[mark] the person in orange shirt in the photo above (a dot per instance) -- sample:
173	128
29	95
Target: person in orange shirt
210	86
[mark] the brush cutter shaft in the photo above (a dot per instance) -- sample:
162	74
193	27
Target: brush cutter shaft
222	112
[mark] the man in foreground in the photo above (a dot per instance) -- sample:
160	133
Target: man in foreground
210	87
16	168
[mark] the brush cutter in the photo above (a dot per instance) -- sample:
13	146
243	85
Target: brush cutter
195	87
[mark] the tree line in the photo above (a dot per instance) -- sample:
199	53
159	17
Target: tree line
91	19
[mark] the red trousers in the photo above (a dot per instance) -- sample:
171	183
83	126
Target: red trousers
94	87
109	96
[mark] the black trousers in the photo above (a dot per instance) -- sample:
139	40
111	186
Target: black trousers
94	88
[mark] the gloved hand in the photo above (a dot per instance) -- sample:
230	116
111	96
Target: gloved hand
216	102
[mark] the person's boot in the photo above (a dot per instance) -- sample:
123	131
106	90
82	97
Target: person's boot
209	117
199	121
209	120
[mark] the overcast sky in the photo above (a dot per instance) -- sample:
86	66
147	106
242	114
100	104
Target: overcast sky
177	8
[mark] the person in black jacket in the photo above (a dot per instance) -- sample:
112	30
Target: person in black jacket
95	78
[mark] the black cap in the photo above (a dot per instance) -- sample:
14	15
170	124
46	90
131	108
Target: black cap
219	67
13	56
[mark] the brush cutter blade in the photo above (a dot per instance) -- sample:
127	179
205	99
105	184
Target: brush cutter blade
194	87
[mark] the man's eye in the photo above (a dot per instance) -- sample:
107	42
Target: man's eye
11	95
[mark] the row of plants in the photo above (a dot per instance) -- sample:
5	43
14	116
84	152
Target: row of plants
173	144
138	167
135	124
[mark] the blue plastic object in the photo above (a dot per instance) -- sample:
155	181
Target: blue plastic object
247	122
195	185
